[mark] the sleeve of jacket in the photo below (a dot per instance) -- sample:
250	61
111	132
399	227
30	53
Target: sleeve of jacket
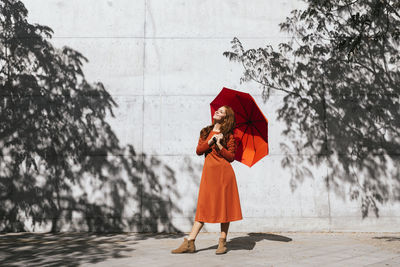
229	154
202	147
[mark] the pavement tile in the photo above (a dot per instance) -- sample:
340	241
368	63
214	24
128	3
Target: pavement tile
386	263
244	249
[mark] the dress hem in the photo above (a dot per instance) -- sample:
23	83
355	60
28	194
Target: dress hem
229	220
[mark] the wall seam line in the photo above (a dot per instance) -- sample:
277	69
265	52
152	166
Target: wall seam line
143	107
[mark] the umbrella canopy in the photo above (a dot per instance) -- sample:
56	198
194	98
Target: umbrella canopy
251	130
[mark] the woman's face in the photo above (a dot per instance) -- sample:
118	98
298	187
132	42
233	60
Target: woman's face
219	114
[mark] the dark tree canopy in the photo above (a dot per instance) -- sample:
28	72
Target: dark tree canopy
340	74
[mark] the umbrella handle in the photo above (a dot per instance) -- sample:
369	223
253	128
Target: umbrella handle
215	140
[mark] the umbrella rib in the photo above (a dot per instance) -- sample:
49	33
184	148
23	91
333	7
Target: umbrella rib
258	130
251	121
252	111
236	112
254	144
252	128
243	135
241	123
247	140
242	105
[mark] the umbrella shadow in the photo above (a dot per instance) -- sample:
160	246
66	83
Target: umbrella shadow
249	242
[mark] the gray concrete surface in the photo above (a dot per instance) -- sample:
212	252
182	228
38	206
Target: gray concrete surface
162	62
244	249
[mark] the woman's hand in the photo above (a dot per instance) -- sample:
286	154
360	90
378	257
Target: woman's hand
211	139
219	138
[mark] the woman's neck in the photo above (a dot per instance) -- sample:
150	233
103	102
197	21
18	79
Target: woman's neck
217	127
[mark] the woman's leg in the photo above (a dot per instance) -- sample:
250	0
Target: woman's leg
221	249
188	243
224	229
195	229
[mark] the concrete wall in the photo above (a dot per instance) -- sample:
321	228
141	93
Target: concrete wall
162	62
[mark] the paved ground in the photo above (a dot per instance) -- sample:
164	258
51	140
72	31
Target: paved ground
244	249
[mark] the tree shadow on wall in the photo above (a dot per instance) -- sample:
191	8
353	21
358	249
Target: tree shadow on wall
339	78
62	167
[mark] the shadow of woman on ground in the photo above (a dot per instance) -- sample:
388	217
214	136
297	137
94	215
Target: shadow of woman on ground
249	242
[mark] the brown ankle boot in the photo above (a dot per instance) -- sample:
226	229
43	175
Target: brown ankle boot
221	246
187	246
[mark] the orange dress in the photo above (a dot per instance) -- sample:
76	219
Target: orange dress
218	199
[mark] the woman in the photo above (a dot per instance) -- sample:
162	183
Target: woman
218	200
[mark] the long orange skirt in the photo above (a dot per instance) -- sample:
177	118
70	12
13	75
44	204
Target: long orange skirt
218	200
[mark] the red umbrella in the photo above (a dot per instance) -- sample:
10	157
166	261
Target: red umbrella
251	131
